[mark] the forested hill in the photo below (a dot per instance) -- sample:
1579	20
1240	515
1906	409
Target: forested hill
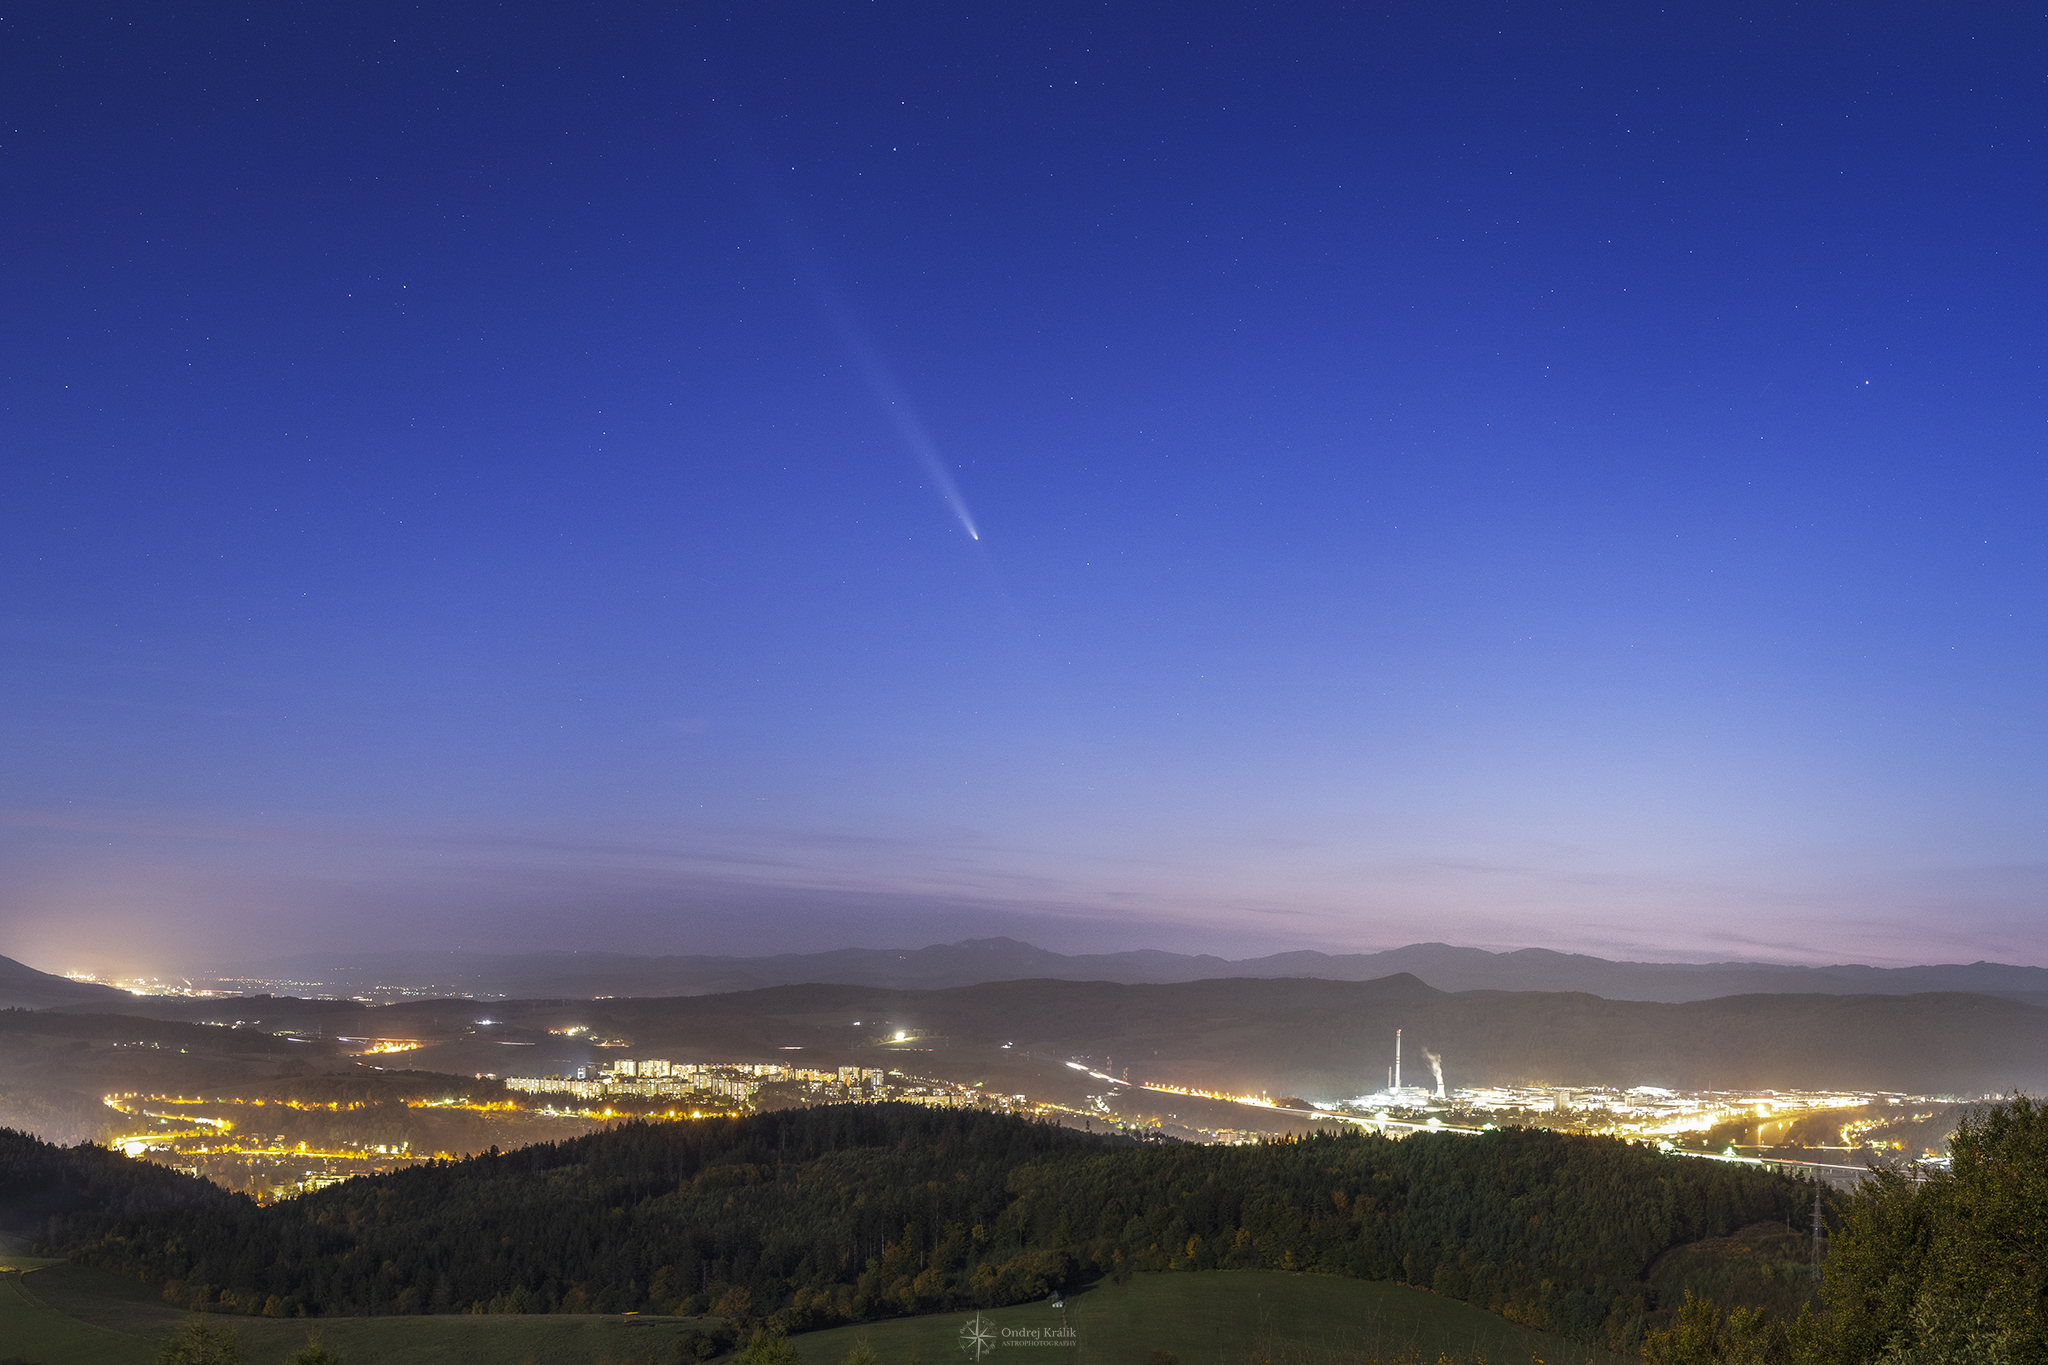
64	1194
812	1217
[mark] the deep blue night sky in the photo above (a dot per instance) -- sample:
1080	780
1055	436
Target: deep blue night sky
1512	475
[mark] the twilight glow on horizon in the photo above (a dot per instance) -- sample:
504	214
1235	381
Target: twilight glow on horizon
1219	478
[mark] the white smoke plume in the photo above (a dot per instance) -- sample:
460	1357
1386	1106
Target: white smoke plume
1436	1064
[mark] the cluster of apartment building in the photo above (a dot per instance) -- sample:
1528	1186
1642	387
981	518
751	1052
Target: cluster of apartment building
653	1078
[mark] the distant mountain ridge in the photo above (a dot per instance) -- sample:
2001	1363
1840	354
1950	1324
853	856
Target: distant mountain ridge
972	961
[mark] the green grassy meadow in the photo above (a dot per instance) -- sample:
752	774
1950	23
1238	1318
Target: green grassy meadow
63	1314
34	1331
71	1315
1219	1317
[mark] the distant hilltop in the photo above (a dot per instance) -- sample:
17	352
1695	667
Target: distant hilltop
972	961
23	987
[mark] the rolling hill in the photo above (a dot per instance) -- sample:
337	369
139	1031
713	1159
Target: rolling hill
1334	1039
23	987
1319	1039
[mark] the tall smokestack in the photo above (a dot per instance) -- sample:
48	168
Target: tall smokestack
1436	1064
1397	1059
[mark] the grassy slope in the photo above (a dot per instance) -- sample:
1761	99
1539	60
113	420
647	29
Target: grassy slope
72	1314
1222	1318
31	1330
1765	1265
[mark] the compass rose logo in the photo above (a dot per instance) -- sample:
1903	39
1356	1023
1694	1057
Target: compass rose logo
978	1337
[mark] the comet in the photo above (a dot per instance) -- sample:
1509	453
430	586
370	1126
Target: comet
889	395
902	413
811	272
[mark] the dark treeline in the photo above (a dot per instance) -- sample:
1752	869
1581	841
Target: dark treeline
805	1218
71	1195
348	1088
136	1031
1924	1266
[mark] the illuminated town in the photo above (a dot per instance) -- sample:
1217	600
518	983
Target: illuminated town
228	986
274	1147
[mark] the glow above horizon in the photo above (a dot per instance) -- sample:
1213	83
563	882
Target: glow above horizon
1439	478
